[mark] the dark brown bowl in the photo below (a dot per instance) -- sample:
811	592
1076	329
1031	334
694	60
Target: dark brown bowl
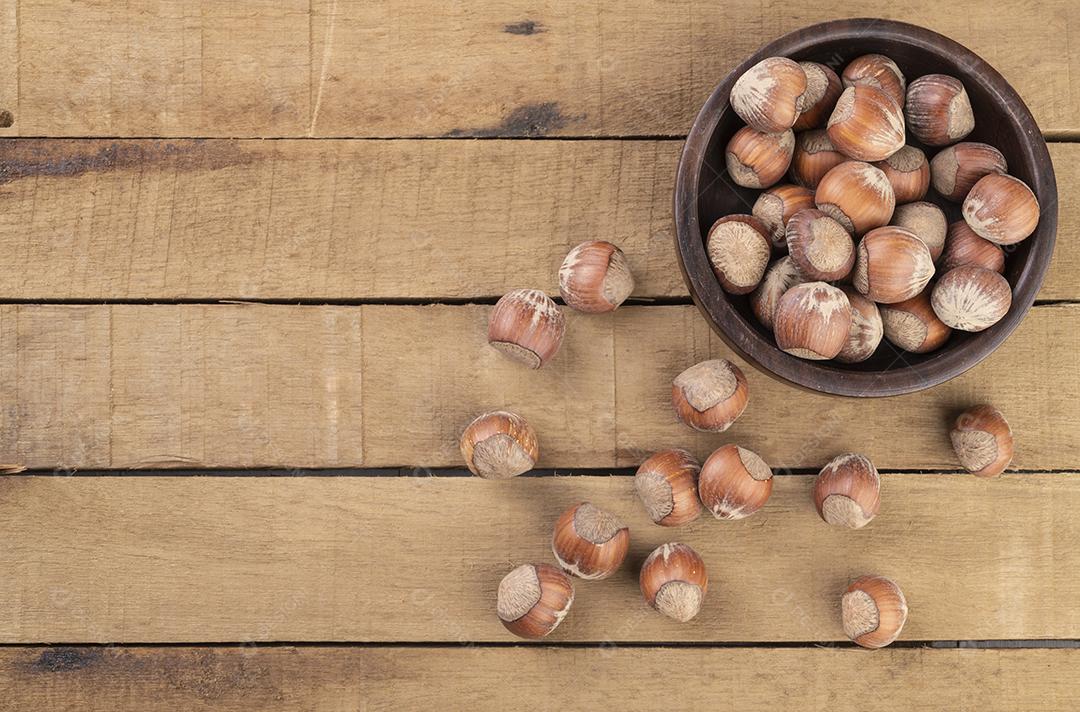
704	193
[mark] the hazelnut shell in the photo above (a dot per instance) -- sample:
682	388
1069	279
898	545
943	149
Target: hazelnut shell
589	543
847	491
666	484
533	599
499	445
873	611
983	441
710	395
734	482
595	277
673	580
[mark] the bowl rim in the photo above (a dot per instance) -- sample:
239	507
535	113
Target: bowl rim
825	376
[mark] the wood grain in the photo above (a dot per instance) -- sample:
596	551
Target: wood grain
330	679
9	67
194	386
342	68
247	559
218	219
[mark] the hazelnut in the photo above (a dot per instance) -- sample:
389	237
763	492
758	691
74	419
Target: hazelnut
1001	209
866	330
527	326
781	276
938	110
983	441
856	195
769	95
873	611
734	482
964	247
589	542
775	206
928	223
812	321
673	581
814	156
499	445
866	124
878	71
823	88
913	326
892	265
954	170
709	396
847	491
666	483
595	277
820	247
756	159
533	599
908	172
738	247
971	298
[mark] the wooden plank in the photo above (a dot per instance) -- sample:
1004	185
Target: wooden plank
513	67
330	679
280	386
246	559
9	67
349	219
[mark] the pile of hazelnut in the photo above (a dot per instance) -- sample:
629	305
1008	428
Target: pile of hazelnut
733	483
856	244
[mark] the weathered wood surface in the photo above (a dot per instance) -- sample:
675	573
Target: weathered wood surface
239	559
343	68
220	219
331	679
128	386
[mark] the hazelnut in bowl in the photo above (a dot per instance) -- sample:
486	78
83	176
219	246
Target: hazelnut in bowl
864	208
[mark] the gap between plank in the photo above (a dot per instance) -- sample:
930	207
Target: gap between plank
446	472
484	300
448	645
1067	136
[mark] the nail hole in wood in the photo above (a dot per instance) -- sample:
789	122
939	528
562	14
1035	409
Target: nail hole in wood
6	119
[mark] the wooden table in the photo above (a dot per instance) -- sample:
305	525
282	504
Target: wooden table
248	253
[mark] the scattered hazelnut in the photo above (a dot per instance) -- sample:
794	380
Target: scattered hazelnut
927	221
1001	209
983	441
738	247
756	159
595	277
533	599
892	265
734	482
847	491
812	321
938	110
913	326
964	247
954	170
781	276
866	124
971	298
775	206
589	542
673	581
666	483
823	88
908	172
769	95
856	195
820	246
814	156
499	445
709	396
866	329
878	71
874	611
527	326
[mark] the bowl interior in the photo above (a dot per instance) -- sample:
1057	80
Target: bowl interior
705	193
